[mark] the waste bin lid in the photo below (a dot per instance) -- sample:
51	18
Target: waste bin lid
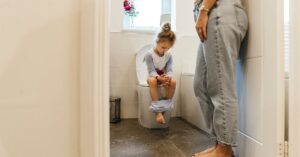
112	98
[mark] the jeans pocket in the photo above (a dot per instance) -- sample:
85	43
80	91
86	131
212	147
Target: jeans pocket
241	18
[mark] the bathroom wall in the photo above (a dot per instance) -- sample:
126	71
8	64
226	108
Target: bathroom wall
39	78
125	44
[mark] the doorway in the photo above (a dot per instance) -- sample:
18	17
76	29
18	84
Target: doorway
263	56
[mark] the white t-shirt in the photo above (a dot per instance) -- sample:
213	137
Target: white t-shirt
160	61
156	63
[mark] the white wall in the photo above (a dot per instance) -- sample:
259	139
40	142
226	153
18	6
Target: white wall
39	78
294	77
124	45
191	111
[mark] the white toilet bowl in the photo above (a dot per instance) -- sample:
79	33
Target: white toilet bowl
145	116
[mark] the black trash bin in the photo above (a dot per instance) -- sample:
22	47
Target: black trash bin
115	108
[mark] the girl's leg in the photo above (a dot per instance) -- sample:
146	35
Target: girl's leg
171	89
153	88
160	118
154	95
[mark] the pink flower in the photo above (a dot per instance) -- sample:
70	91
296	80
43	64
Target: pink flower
127	8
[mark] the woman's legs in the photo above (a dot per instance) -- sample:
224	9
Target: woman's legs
154	95
209	150
219	151
220	51
200	90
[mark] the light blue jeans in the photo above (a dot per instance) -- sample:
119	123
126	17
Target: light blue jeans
215	81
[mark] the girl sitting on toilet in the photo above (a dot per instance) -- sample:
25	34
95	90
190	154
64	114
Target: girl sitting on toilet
159	62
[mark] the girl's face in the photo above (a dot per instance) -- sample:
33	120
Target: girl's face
162	47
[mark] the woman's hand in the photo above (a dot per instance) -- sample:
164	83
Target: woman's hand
201	25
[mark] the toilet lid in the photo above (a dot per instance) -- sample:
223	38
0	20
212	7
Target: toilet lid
141	66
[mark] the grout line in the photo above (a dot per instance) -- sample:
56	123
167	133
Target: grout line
179	150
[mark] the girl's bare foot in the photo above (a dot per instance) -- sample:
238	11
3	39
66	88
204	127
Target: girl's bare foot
219	151
206	151
160	118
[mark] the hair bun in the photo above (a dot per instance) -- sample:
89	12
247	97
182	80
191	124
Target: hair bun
166	34
166	27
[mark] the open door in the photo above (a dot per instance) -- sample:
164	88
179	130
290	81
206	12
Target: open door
294	80
261	82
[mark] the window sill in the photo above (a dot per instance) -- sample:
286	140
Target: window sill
139	30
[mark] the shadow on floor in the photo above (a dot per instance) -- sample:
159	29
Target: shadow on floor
129	139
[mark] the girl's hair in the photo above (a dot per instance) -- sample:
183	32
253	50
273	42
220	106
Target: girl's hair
166	33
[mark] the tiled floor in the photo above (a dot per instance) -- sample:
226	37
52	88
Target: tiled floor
129	139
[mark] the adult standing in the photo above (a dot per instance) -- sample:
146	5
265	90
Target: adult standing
221	26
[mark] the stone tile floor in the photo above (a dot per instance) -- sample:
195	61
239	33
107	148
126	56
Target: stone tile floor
129	139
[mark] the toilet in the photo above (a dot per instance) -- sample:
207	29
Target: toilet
146	118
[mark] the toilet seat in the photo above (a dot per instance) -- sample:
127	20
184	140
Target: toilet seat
141	66
144	84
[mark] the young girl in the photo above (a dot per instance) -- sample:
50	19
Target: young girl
159	62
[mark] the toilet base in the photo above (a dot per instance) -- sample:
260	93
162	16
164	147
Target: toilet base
150	121
147	118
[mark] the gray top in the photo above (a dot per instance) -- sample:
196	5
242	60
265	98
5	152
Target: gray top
152	64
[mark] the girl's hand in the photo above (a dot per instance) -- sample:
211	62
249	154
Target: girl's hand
161	79
164	80
167	81
201	25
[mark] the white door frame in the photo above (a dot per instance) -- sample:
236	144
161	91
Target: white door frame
94	79
273	48
294	78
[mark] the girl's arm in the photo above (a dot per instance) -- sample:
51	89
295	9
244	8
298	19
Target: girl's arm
202	20
169	65
150	65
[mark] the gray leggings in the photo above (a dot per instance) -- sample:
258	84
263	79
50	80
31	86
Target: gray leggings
215	82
